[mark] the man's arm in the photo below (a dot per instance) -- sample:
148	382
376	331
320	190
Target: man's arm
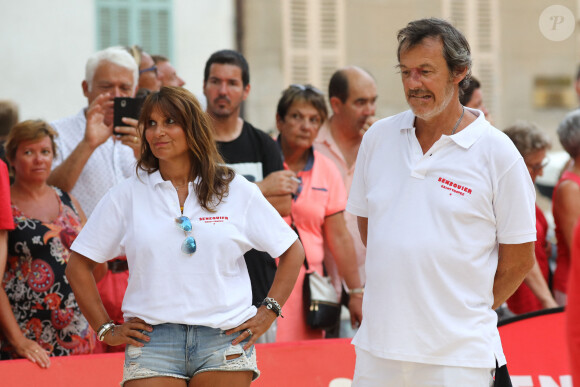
282	203
363	225
340	243
514	263
65	176
278	188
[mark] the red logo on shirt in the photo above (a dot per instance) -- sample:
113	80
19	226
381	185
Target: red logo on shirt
213	219
454	187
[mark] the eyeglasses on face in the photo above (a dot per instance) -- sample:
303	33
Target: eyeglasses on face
152	68
538	167
188	246
306	88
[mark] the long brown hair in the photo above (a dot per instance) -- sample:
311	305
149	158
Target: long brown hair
206	162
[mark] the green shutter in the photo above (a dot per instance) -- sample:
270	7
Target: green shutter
143	22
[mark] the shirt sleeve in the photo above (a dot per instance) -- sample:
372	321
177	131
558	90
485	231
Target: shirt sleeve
357	202
264	227
6	220
102	236
514	205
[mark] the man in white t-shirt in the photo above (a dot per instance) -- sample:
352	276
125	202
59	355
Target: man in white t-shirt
91	159
445	206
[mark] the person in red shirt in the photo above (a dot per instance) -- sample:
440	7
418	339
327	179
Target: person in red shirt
573	309
566	202
533	294
6	222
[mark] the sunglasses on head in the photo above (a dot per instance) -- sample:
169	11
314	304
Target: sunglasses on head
306	88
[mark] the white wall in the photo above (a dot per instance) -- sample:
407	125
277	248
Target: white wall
201	28
44	46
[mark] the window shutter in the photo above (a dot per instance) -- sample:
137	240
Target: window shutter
143	22
478	20
113	26
313	40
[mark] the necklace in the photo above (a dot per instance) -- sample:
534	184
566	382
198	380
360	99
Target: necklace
178	187
458	121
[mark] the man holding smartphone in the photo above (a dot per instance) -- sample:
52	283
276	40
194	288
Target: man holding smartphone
91	159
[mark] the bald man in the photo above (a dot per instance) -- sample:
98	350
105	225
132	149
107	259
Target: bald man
352	94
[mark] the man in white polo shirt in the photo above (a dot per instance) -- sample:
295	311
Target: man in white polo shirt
445	206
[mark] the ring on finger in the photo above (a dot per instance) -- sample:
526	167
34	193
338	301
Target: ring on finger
249	332
135	139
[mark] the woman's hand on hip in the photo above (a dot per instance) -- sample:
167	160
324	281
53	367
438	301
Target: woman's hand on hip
254	327
130	332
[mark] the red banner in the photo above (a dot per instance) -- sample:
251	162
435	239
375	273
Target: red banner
535	348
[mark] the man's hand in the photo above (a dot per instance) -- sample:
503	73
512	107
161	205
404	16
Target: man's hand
368	123
97	132
279	183
130	135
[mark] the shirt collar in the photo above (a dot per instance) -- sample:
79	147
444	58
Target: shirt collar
465	138
309	162
324	135
155	178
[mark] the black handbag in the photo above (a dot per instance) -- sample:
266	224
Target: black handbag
321	303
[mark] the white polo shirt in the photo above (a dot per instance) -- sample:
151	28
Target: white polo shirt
210	287
434	224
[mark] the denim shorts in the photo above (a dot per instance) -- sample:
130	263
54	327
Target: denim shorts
182	351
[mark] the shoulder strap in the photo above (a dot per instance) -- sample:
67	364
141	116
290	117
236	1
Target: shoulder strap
297	233
66	200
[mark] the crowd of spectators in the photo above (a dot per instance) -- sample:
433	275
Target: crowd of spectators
60	171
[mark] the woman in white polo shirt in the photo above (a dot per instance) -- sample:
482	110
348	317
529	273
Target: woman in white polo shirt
184	222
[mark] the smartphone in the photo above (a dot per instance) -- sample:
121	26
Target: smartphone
126	107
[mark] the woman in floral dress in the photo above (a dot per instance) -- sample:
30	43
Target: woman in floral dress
39	316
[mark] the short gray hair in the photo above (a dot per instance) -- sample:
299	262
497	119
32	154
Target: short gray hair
527	137
116	55
569	133
456	50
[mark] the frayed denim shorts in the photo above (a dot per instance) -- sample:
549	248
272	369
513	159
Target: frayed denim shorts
182	351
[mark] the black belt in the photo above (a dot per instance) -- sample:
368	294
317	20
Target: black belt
118	265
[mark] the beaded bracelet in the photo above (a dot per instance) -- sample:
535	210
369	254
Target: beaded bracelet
273	305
